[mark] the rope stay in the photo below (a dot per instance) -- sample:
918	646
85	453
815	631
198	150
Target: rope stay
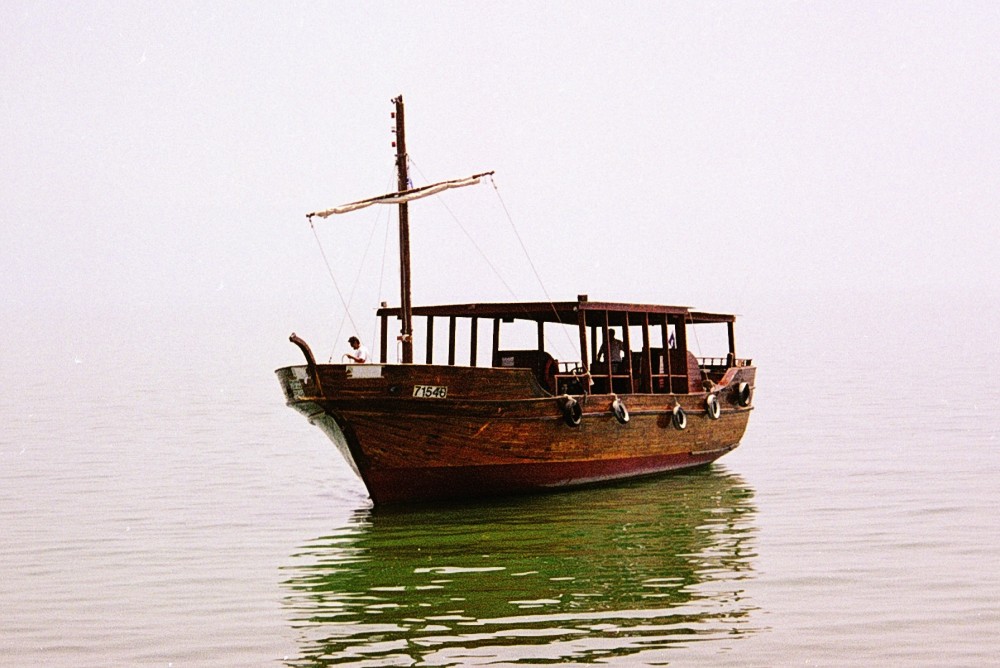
333	278
354	288
527	256
350	299
486	258
406	196
482	253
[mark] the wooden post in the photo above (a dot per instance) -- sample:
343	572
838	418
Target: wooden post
430	339
680	355
665	336
581	323
607	353
496	342
627	343
732	344
647	358
451	340
384	345
593	343
474	343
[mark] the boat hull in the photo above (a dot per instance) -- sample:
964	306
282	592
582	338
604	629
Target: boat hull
393	486
409	450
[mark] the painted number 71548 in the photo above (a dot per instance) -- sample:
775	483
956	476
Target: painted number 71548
430	391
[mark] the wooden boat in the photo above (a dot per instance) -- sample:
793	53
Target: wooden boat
527	422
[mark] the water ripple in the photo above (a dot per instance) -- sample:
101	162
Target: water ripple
585	577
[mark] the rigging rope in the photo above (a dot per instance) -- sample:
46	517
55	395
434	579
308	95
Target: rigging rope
534	270
354	288
347	303
486	258
329	270
468	236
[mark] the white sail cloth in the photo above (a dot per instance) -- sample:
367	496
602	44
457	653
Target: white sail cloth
402	196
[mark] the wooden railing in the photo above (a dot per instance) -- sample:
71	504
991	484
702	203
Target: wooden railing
570	379
722	362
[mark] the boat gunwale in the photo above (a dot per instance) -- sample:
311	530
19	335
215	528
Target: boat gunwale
638	403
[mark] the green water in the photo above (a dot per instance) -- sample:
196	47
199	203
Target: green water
620	572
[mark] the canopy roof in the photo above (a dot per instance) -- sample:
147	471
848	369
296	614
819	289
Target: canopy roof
563	312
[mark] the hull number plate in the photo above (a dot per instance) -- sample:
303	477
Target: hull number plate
430	391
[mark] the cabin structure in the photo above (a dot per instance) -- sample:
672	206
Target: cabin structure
653	337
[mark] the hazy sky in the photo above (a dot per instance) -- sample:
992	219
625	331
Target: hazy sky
158	158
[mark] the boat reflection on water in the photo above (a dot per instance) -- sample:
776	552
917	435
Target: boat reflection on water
627	573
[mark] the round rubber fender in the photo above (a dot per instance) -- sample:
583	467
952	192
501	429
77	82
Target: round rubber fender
679	418
549	374
621	413
572	412
744	394
712	407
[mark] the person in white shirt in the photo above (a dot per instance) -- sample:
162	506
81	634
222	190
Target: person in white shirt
360	355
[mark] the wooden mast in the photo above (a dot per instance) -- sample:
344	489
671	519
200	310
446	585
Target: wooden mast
403	194
406	334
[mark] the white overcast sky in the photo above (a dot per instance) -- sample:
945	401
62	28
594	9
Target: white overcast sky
158	158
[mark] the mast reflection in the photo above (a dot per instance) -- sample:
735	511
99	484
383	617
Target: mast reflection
627	571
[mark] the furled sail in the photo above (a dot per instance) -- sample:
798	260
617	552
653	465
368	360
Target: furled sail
402	196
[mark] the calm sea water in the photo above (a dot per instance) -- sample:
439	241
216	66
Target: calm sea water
168	509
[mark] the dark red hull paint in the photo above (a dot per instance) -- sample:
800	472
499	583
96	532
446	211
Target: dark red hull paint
460	482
